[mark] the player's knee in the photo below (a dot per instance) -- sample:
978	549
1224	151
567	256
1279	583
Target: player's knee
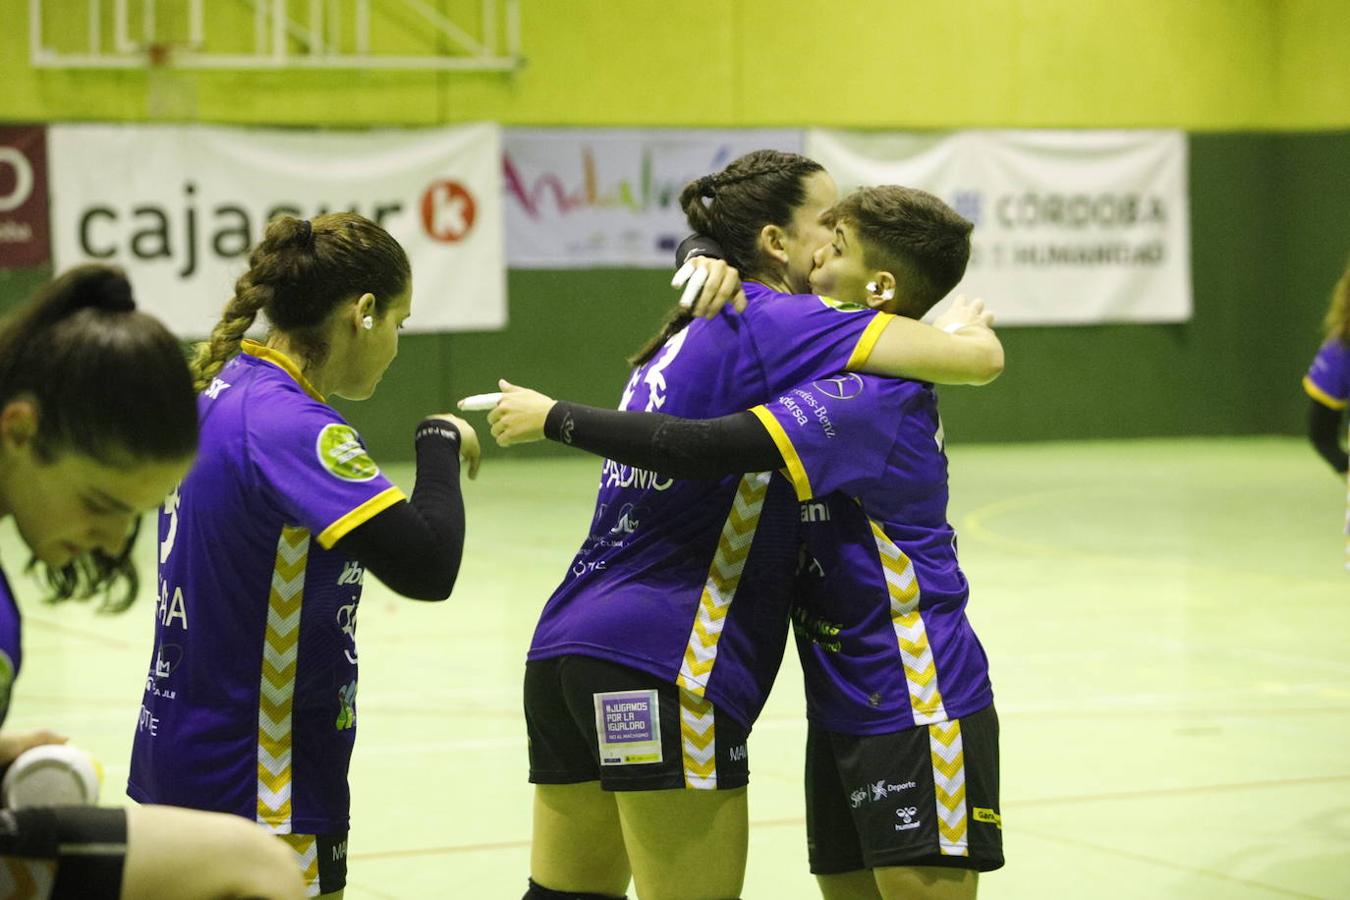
539	892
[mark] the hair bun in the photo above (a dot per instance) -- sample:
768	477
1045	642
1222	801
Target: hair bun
97	286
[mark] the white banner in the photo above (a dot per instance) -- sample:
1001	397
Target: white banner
179	207
578	198
1071	227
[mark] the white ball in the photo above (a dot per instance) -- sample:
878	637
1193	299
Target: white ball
52	775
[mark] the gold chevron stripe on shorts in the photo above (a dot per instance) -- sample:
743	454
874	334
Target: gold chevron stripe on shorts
276	688
698	741
949	786
724	576
911	636
306	849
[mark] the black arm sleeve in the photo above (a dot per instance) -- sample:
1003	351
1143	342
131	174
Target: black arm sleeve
681	448
1324	430
415	547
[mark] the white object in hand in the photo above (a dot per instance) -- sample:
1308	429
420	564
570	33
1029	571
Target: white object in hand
52	775
479	402
696	276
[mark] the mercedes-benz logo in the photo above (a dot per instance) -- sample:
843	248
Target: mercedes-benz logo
841	387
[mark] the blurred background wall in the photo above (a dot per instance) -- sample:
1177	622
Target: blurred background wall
1262	86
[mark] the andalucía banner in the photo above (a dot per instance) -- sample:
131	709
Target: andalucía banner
609	197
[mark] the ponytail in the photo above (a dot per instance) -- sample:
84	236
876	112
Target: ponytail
732	206
210	355
297	275
675	320
109	383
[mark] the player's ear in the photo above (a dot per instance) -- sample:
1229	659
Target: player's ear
881	290
772	243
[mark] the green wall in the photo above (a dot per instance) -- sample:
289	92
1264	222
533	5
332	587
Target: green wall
1269	238
1261	84
1194	64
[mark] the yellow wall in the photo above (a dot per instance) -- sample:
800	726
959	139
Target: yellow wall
1195	64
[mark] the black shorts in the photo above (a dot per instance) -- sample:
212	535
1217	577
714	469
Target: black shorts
322	859
63	852
925	796
593	720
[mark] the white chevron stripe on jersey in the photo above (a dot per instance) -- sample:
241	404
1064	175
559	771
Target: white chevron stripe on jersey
949	783
276	683
724	577
911	635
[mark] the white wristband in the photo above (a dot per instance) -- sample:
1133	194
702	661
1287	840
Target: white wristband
954	327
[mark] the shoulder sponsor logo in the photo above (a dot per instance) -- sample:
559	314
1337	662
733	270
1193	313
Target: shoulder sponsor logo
341	453
214	388
840	305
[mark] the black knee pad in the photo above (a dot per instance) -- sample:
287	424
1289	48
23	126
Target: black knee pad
539	892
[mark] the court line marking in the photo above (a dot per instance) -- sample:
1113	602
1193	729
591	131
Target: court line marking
1181	791
974	526
1168	864
94	636
797	820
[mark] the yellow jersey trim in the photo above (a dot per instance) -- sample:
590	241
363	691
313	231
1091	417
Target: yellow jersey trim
1322	396
796	472
363	513
868	340
282	362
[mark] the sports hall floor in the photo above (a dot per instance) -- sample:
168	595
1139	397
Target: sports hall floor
1168	624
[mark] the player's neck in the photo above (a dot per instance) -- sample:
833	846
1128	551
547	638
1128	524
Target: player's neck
316	375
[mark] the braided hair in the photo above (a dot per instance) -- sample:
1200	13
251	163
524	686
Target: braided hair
763	187
297	275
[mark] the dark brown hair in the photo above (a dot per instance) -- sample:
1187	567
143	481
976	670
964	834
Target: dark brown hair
913	235
297	275
763	187
109	383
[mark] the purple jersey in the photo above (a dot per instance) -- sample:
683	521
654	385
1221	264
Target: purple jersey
11	645
653	585
1328	382
880	613
250	703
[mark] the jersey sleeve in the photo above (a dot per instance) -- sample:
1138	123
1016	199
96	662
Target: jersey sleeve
801	337
1328	378
316	469
836	434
